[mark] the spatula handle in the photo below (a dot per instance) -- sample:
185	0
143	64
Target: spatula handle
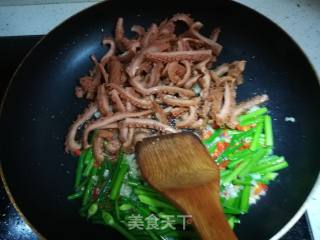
207	215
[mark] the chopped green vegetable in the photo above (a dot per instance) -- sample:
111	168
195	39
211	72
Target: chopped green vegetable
80	167
92	210
246	181
125	207
118	181
228	178
240	154
260	167
146	188
117	210
242	136
255	158
273	168
268	130
141	208
251	121
254	114
90	161
228	210
255	141
89	188
154	209
235	163
75	195
89	156
270	176
148	193
244	204
155	202
116	170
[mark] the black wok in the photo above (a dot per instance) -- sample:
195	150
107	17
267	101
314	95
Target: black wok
40	105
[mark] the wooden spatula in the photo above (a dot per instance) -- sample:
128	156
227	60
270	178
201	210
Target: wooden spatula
179	166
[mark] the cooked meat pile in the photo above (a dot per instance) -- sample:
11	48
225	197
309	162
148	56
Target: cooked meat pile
157	82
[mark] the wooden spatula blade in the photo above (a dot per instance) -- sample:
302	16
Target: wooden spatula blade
177	161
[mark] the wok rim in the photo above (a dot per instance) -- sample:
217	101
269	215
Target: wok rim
277	236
